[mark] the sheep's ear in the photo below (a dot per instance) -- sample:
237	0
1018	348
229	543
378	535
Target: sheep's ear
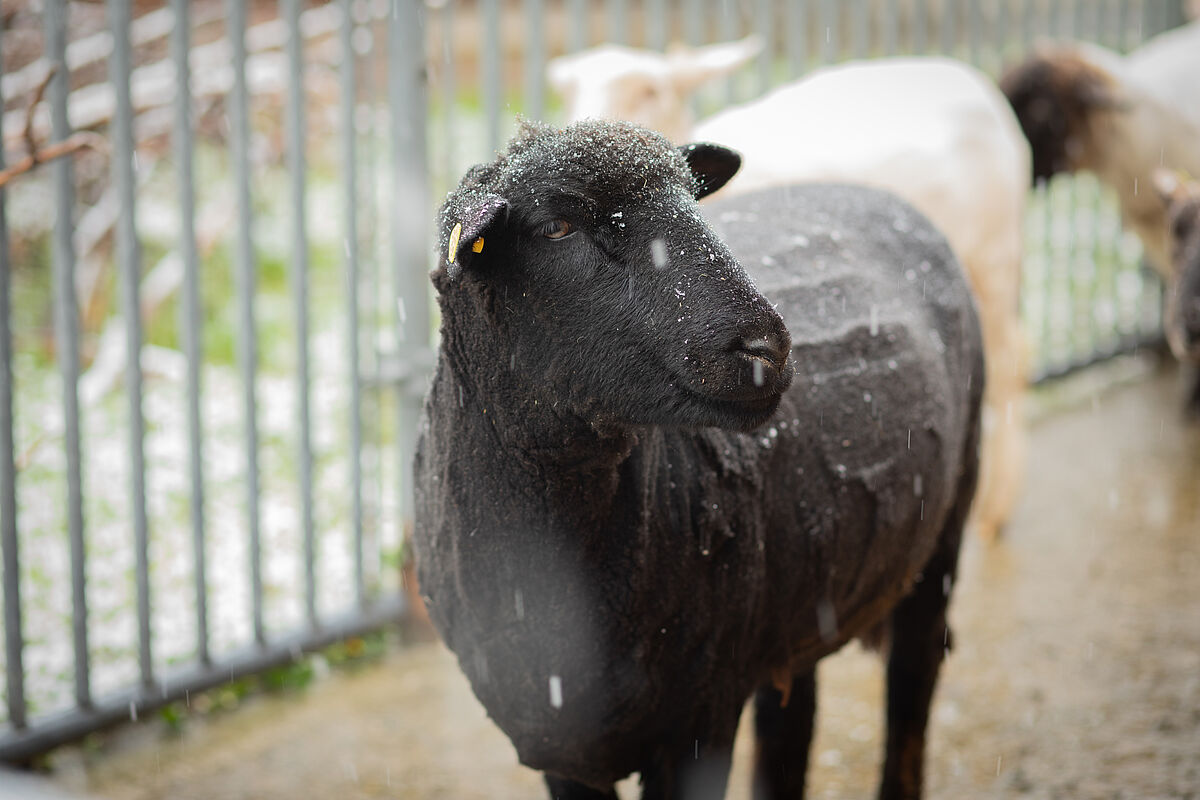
712	166
691	67
463	231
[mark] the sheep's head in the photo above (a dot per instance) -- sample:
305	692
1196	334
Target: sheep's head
641	86
579	261
1182	324
1057	95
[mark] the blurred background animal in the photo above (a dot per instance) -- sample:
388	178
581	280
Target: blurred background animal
1181	321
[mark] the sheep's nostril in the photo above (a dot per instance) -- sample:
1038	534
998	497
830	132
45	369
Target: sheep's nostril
772	348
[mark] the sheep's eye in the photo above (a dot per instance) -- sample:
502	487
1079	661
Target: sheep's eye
557	229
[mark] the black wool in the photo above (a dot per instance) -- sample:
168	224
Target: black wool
671	458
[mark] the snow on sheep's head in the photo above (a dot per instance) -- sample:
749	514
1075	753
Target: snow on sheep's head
580	257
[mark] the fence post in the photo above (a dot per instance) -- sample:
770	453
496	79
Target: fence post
190	317
245	282
410	223
66	335
297	166
13	636
129	266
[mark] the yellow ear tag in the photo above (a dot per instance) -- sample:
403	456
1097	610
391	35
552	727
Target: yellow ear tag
454	234
477	245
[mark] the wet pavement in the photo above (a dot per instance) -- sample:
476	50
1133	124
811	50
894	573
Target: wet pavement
1076	672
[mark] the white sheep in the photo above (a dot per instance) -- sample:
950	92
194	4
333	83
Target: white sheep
933	130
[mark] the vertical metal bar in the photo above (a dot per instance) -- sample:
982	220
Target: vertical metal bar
618	21
1122	25
974	30
728	29
13	634
999	53
657	26
1173	15
129	265
827	28
1029	17
797	33
577	25
694	15
375	67
373	78
297	167
449	94
1152	17
948	28
1080	260
350	232
239	114
918	27
491	78
862	28
66	336
411	202
190	318
764	24
535	57
891	28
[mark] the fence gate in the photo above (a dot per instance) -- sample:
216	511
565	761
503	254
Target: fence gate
215	326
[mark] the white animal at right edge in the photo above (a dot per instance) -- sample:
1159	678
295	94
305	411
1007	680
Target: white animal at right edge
933	130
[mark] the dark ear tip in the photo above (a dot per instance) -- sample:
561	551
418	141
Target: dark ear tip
716	153
712	165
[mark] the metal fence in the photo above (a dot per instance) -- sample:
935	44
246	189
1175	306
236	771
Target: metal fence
240	498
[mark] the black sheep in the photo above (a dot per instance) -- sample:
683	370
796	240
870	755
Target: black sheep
626	521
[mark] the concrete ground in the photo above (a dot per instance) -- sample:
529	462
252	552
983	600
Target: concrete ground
1076	672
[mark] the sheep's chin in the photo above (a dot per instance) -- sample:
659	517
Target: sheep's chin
708	411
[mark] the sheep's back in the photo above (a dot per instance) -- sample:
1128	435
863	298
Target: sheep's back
1167	66
932	130
833	258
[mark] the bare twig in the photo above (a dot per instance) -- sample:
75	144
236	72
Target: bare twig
35	156
38	93
155	84
70	145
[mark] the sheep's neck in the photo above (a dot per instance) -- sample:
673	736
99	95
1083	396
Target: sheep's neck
486	399
1127	146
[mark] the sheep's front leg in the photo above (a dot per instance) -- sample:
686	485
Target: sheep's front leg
920	639
563	789
699	774
783	729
